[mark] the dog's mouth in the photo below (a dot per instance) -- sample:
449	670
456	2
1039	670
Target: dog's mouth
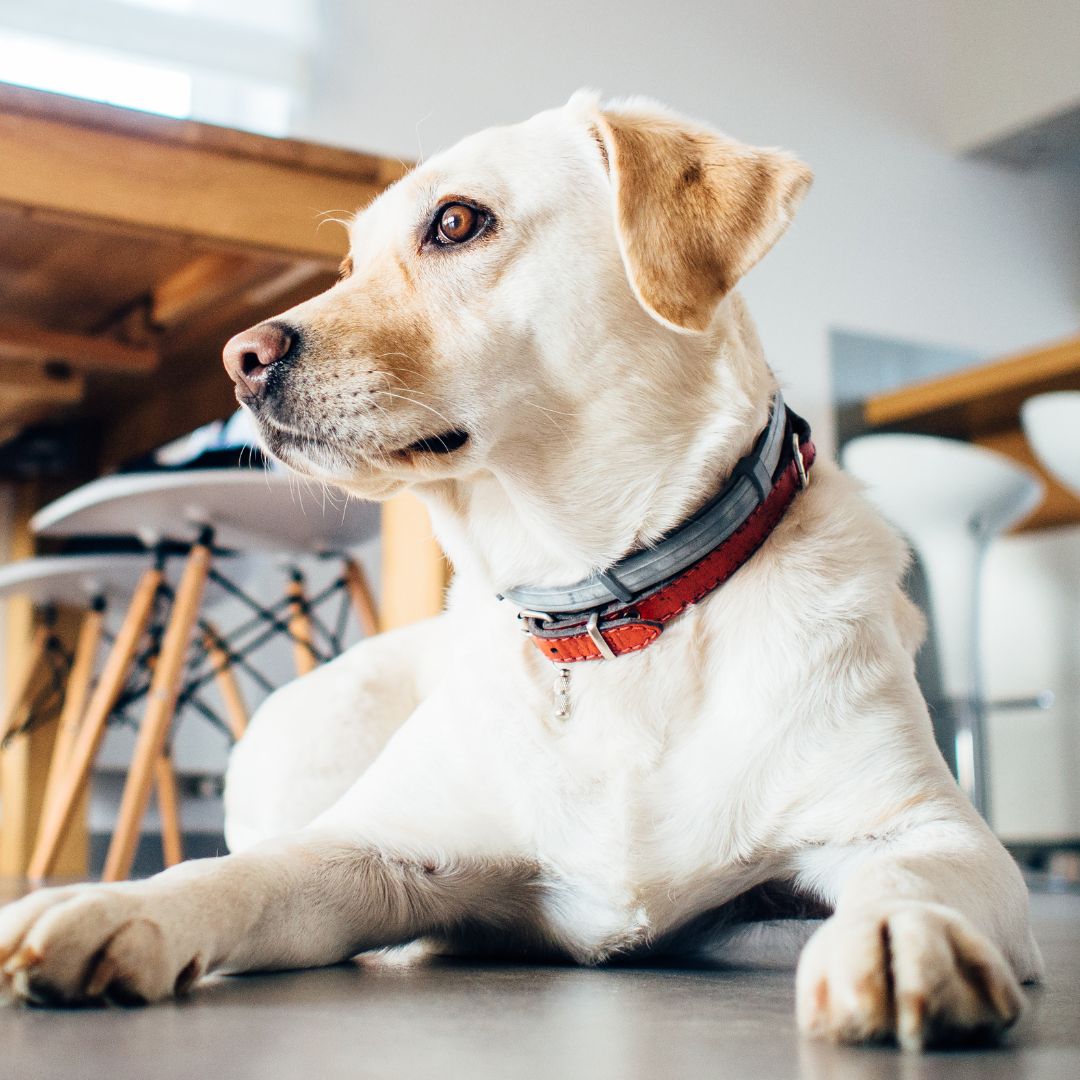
444	444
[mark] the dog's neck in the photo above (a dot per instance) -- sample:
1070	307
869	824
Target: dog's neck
559	504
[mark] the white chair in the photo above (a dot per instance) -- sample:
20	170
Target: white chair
244	511
1052	426
89	583
86	583
950	499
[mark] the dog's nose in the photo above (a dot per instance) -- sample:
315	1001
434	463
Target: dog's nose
249	355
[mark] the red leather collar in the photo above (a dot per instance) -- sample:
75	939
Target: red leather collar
618	629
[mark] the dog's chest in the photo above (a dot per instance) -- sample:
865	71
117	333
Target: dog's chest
641	833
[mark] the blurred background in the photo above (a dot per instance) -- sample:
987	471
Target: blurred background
930	287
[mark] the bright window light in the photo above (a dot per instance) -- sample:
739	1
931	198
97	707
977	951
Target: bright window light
79	71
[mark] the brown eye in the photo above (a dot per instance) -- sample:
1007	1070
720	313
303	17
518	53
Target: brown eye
456	223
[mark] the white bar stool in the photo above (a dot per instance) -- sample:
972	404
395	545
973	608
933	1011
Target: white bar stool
950	499
204	510
1051	423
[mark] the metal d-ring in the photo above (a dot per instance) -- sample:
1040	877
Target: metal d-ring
804	476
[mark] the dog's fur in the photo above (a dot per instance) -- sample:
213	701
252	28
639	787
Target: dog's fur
770	755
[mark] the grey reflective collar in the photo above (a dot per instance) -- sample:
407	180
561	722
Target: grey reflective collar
747	488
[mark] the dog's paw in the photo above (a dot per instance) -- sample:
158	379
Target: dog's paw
916	972
90	944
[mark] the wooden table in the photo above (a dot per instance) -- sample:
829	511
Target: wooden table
982	404
132	247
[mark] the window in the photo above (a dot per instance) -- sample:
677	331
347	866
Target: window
241	63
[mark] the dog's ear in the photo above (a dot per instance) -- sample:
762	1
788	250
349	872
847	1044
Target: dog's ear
693	210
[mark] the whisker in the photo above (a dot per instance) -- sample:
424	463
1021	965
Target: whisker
549	415
401	397
419	142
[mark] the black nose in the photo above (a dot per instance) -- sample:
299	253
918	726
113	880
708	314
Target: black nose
249	356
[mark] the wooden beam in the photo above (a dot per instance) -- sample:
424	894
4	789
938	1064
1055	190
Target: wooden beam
27	396
199	284
293	277
198	190
34	344
192	388
352	165
220	278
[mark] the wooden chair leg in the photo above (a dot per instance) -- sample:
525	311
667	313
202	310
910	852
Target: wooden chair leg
17	697
161	704
236	713
300	625
168	797
81	759
76	694
360	595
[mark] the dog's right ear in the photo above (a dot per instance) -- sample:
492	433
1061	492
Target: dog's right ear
694	210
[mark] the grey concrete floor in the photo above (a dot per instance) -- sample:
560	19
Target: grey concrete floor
466	1020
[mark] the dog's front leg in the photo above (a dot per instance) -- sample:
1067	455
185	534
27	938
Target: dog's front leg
314	898
928	942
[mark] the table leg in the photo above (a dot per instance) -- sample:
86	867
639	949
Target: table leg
414	569
92	730
160	706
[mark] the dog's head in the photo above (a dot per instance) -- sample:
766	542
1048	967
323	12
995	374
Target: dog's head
536	286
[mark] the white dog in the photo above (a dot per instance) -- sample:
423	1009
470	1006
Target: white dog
536	332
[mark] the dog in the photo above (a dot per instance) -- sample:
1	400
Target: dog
537	333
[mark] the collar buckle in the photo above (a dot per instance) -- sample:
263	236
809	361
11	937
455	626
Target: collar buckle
592	628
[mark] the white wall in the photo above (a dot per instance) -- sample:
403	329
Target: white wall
1031	643
899	237
1011	64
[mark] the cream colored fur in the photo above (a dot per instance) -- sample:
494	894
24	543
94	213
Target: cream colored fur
419	786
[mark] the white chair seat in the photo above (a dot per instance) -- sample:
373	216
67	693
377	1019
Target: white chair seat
921	482
249	510
1052	426
73	580
78	580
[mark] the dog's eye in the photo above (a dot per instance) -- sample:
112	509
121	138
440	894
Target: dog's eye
457	223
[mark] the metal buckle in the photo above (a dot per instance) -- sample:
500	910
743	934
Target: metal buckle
592	628
526	616
804	476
